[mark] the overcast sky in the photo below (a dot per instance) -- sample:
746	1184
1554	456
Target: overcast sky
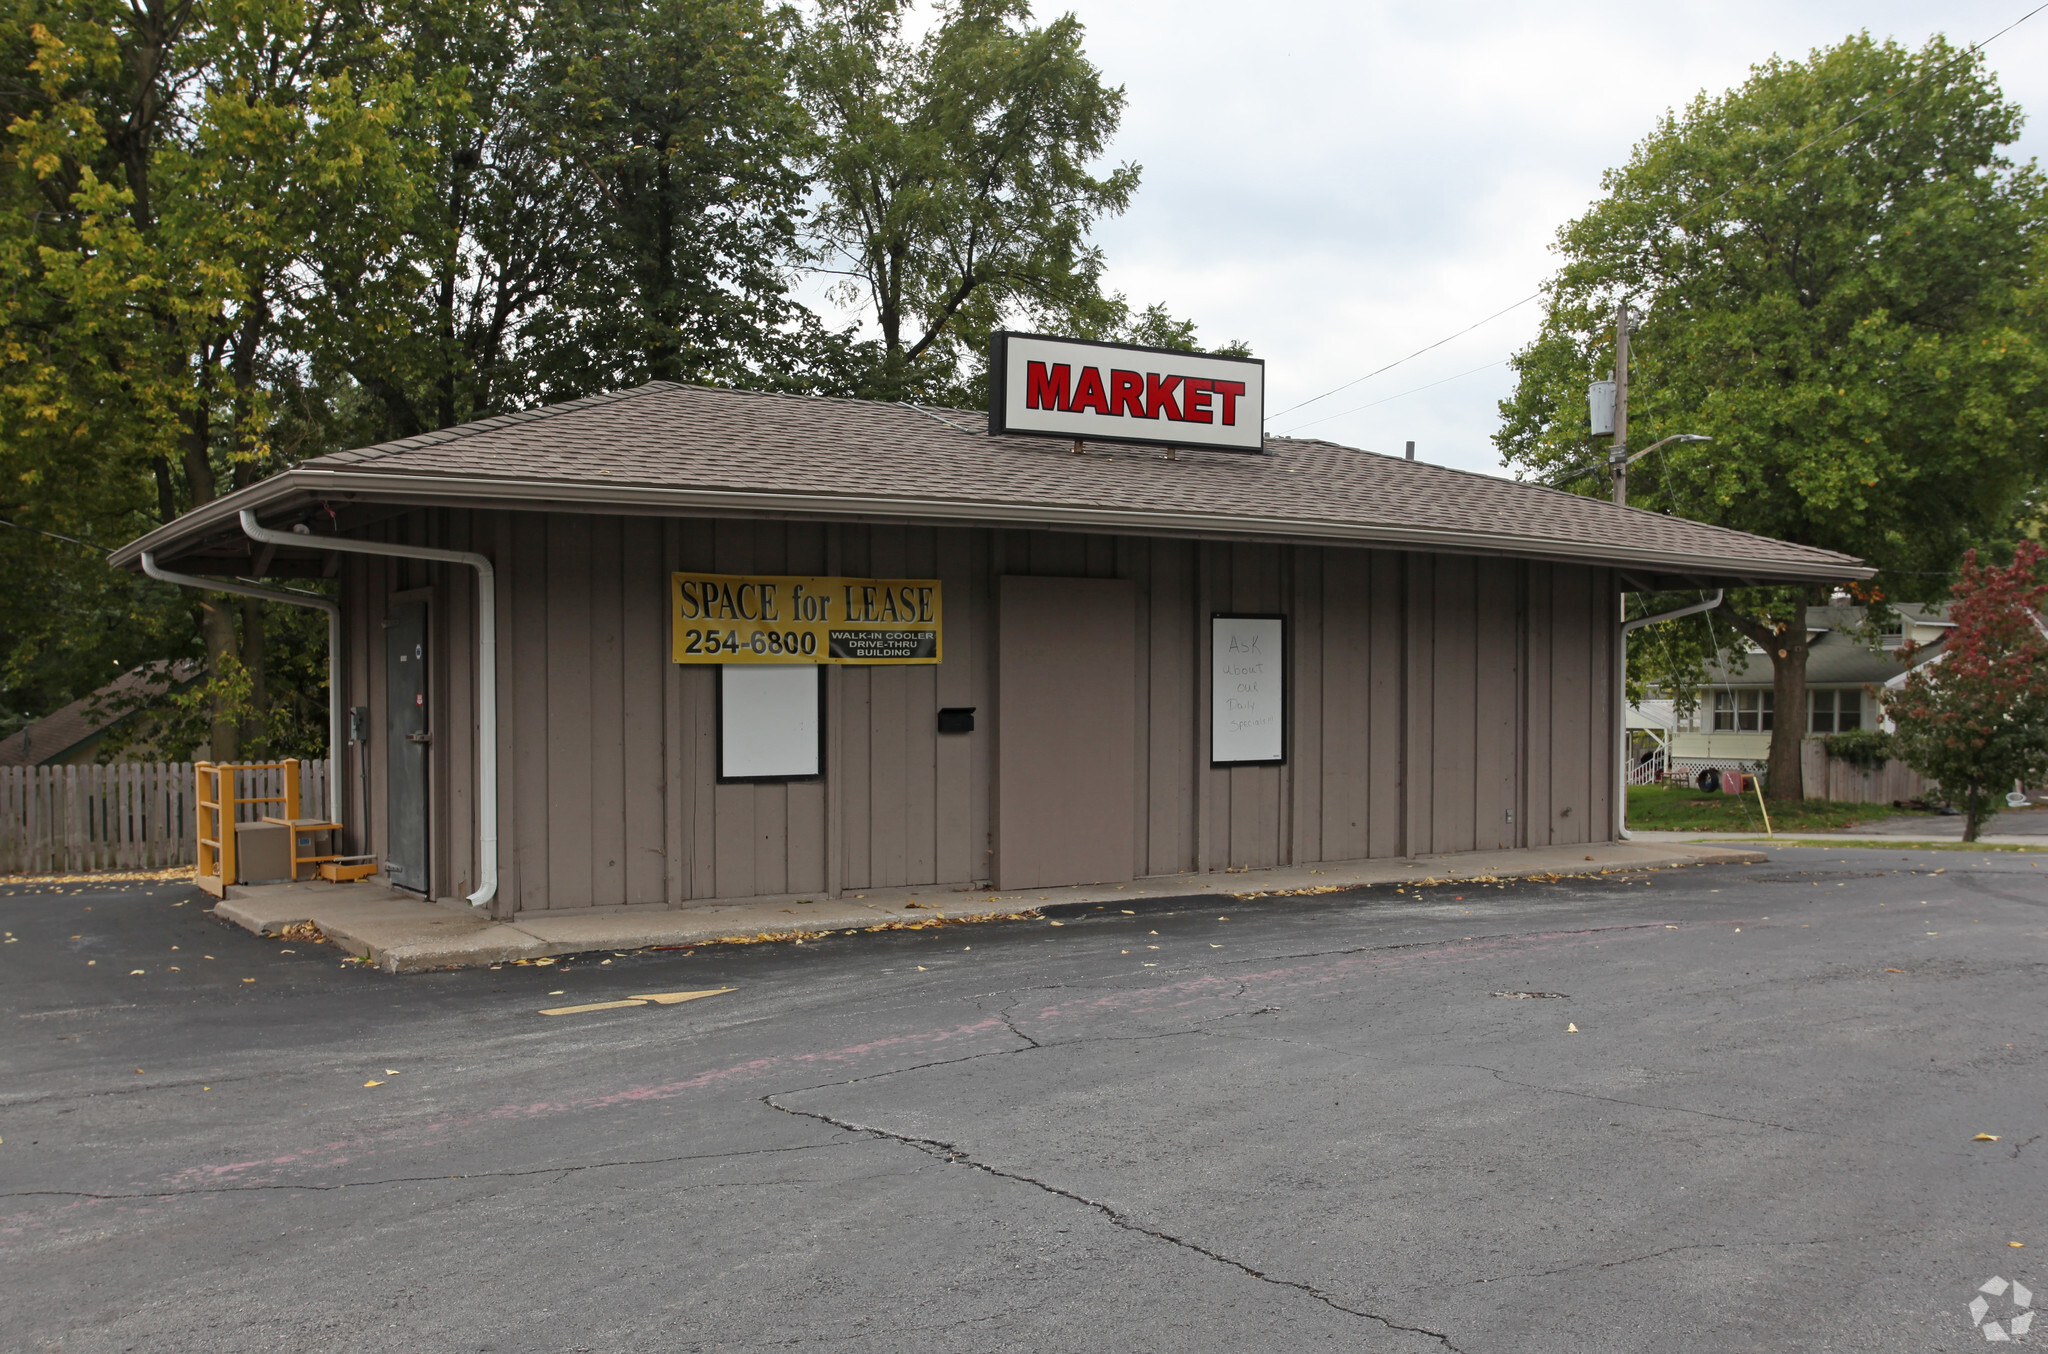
1340	183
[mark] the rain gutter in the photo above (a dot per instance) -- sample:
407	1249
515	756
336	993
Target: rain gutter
486	668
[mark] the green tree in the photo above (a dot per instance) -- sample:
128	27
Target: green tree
168	170
1854	315
953	177
1976	718
675	123
424	305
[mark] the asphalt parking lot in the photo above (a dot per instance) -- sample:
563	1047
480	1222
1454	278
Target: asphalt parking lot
1719	1108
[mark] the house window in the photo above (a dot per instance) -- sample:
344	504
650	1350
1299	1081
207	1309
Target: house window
1834	711
1742	711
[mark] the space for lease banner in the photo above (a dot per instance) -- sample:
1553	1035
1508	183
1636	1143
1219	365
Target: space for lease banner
745	618
1113	392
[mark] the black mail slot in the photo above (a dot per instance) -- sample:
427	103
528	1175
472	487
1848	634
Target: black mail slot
957	719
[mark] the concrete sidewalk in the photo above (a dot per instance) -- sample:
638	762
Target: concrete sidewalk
401	933
2010	827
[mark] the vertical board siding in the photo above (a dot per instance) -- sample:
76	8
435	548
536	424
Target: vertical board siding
643	661
1171	658
1453	698
1428	698
566	659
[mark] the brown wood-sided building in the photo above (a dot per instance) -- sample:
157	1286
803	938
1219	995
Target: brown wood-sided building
1447	675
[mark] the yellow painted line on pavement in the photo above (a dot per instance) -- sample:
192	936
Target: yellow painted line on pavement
639	999
592	1006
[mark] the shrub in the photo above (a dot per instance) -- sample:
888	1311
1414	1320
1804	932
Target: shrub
1864	749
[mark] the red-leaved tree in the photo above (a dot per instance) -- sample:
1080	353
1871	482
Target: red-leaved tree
1976	719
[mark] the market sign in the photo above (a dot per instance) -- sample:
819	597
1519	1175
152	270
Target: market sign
745	618
1115	392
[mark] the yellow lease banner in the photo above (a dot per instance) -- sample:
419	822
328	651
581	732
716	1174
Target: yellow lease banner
747	618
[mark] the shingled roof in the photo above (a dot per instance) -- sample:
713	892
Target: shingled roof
700	451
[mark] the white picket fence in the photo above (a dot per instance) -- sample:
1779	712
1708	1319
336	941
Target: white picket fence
132	816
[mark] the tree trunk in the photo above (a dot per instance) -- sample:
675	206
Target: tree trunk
252	662
217	627
1785	643
217	621
1788	721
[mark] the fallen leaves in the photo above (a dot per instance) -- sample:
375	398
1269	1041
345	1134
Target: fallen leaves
368	1084
1570	1028
174	874
1985	1137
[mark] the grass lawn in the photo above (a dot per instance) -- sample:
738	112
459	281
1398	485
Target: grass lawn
1676	808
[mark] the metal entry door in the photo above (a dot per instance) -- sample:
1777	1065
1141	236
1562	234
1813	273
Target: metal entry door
406	740
1066	731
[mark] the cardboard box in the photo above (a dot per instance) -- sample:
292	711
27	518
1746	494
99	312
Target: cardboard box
263	853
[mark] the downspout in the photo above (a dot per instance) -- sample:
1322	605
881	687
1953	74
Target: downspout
486	668
289	597
1621	698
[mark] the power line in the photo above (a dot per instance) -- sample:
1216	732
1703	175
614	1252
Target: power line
1972	49
1410	358
1484	366
73	540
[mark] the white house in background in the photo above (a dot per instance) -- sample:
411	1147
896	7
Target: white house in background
1732	722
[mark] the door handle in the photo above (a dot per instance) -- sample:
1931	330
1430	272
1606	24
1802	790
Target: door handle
419	738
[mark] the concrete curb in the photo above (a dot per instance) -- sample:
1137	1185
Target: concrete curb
400	933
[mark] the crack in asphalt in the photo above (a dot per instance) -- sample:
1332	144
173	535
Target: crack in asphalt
561	1172
1638	1259
1011	1021
954	1156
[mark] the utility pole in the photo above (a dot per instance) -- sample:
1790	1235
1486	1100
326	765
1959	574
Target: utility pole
1617	460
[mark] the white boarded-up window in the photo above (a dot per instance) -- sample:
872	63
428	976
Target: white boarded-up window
769	722
1247	689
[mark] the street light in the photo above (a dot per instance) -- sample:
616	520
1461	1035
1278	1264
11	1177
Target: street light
1618	462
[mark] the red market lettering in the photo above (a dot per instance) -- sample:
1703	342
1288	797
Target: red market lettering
1130	394
1048	388
1088	393
1159	396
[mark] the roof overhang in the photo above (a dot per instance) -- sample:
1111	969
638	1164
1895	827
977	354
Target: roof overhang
209	538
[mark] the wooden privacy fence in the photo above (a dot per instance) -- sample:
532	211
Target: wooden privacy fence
1832	778
128	816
